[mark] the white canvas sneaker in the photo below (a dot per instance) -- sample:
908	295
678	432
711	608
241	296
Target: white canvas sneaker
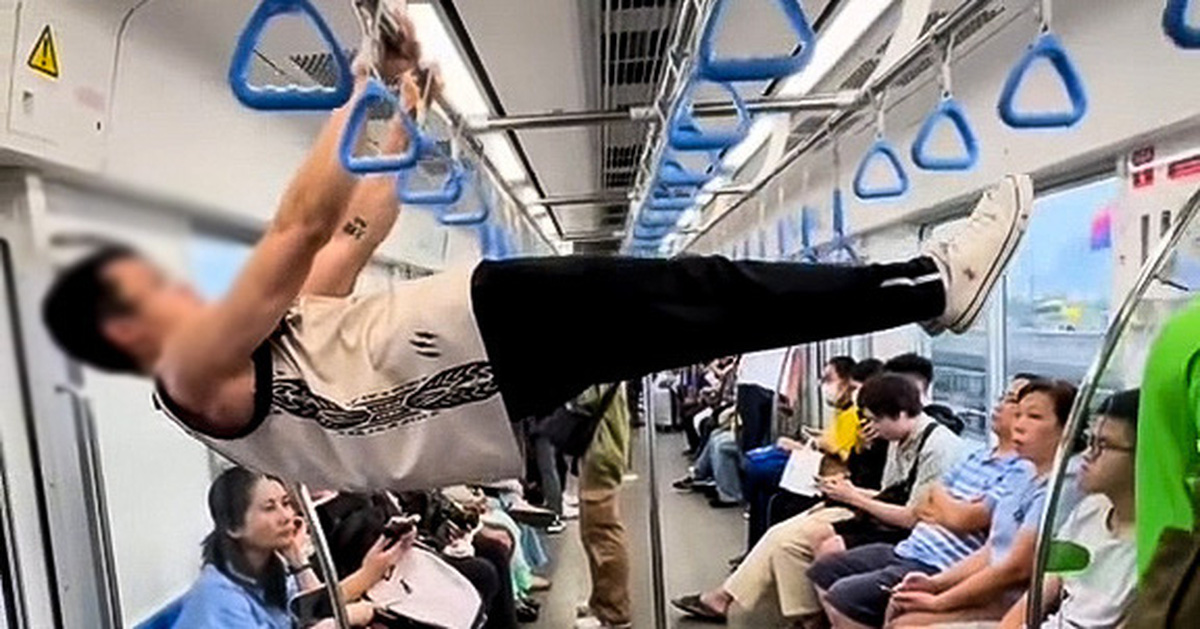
972	257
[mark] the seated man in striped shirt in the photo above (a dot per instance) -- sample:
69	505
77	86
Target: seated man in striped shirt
855	586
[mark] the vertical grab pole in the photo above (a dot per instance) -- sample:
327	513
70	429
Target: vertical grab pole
333	585
1088	387
656	555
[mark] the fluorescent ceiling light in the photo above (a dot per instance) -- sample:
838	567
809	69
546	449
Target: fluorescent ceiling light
844	32
464	94
437	44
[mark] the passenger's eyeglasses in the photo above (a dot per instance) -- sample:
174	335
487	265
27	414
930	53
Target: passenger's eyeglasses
1096	446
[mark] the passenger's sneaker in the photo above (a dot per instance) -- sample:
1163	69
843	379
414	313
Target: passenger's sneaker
558	526
689	484
536	517
973	257
526	614
684	484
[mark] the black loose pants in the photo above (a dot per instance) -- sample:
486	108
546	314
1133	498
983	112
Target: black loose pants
554	326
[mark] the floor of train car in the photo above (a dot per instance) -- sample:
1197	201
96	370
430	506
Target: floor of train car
697	543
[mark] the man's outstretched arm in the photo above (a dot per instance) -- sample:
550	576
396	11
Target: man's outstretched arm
372	210
367	220
218	343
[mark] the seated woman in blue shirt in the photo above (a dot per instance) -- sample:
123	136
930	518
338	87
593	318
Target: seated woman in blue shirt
984	585
256	560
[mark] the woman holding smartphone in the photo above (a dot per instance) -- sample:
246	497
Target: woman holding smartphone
256	560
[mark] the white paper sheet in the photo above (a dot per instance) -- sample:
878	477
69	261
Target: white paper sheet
799	476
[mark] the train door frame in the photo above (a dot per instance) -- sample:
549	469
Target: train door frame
56	552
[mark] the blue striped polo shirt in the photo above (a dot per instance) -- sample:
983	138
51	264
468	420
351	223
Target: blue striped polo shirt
982	475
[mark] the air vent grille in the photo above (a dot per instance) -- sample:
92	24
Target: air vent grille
634	38
319	66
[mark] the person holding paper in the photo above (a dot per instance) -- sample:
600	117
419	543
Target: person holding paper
846	441
771	584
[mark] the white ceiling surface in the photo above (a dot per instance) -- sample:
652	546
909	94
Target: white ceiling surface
541	54
534	54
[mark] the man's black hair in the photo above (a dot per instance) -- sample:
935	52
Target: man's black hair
842	365
1123	407
866	369
889	394
79	302
911	365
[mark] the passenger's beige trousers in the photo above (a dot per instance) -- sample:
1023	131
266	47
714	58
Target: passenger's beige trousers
776	570
607	554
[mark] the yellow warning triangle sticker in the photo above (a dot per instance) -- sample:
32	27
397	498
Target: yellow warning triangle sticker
43	59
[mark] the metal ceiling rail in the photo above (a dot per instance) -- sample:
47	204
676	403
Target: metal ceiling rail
951	22
461	130
609	197
586	198
646	113
689	28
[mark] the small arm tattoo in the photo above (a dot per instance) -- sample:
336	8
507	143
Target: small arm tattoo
355	227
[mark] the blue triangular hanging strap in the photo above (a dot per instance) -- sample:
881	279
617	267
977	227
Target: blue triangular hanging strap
881	149
1050	48
686	134
948	110
375	93
1175	24
764	68
290	97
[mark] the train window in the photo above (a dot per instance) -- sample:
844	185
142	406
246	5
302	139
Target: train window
961	363
214	263
1059	289
1051	314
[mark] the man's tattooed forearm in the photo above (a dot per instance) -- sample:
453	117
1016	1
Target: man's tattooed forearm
355	227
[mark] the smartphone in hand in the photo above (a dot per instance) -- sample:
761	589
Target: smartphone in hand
397	528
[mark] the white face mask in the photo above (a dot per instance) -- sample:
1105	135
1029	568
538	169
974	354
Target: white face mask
831	393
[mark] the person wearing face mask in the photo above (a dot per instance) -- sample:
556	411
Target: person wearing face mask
1103	523
771	586
760	482
838	389
987	583
851	446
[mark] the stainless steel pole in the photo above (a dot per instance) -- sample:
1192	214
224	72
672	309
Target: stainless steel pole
833	101
658	579
333	584
606	197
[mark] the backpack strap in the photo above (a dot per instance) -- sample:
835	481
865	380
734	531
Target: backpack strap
916	466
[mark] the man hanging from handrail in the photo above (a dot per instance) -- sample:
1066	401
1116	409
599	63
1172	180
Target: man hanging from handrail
291	375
